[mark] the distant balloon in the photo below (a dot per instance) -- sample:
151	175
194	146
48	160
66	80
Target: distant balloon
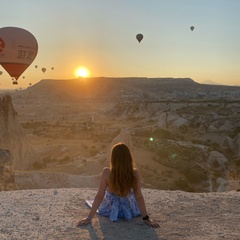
30	84
192	28
139	37
23	77
36	66
1	73
18	49
52	68
44	70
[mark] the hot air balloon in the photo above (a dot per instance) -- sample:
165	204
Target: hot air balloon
36	66
18	49
44	70
1	73
52	68
192	28
139	37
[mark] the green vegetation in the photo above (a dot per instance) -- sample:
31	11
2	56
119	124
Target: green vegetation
234	178
65	159
93	151
38	165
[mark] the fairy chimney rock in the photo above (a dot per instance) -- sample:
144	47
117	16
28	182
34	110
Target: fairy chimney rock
12	136
7	181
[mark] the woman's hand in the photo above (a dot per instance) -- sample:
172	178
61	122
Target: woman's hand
83	222
152	223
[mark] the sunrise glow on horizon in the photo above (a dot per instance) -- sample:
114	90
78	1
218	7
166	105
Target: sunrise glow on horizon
82	72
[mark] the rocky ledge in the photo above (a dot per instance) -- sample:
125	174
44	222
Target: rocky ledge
53	214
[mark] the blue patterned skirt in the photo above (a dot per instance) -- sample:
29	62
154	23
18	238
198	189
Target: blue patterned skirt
116	207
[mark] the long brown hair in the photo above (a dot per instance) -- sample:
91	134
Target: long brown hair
122	177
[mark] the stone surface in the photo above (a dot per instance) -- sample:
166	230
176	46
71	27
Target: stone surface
53	214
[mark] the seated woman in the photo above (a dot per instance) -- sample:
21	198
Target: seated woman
119	194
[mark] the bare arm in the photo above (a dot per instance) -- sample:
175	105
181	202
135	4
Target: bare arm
141	202
98	198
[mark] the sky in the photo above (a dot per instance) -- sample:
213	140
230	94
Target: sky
101	36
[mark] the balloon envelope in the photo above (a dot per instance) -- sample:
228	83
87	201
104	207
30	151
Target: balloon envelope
1	72
139	37
192	28
44	70
18	49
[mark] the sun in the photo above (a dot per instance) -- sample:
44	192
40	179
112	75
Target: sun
82	72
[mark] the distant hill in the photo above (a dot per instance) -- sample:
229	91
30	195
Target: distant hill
105	88
210	82
103	85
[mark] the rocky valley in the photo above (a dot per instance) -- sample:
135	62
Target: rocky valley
184	135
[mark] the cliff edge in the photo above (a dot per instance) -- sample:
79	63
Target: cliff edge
53	214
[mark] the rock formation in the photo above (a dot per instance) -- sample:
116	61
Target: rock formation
7	181
12	136
232	144
217	161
